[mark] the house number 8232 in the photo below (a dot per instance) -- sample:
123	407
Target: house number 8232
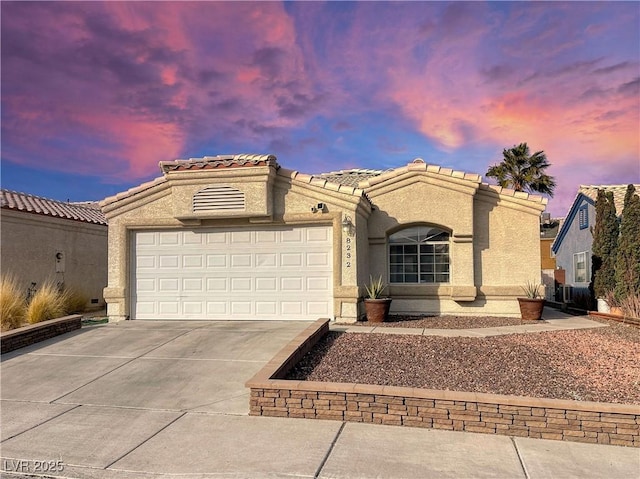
347	252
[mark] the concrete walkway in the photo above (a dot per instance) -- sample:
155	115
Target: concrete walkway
553	321
167	399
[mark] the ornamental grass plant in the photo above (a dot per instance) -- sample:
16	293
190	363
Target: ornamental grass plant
12	304
74	301
46	303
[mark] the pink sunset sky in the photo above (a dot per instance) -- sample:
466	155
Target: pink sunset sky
95	94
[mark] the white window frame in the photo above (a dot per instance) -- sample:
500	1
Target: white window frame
402	271
576	261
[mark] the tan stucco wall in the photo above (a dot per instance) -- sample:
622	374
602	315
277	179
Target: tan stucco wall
272	199
30	242
494	246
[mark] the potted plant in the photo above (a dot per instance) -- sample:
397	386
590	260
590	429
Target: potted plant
375	305
532	304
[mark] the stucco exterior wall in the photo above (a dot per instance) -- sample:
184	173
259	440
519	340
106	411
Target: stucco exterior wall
30	242
576	240
287	202
494	245
494	234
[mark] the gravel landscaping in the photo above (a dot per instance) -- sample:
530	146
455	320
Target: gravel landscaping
446	322
587	365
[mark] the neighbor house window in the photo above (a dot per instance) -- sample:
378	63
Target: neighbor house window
583	217
581	267
419	254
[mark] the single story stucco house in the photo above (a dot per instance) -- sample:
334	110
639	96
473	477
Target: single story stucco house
48	240
239	237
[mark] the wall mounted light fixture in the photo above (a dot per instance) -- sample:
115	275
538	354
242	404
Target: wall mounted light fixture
347	225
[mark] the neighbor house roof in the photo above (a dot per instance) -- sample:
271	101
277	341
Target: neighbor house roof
619	191
86	211
590	194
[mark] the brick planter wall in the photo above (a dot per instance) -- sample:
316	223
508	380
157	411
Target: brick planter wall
34	333
592	422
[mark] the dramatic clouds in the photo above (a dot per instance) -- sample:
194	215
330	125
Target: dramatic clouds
108	89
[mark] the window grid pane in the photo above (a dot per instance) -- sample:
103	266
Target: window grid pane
419	255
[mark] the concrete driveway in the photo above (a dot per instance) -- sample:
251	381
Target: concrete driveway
167	399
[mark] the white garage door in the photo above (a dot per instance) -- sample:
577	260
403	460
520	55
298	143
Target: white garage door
268	273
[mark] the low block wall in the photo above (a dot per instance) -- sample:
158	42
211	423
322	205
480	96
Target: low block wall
34	333
580	421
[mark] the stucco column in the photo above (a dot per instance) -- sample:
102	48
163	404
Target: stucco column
462	268
115	294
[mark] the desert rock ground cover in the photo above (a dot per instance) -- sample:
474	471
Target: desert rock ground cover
599	364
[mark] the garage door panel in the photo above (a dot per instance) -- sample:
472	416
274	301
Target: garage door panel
240	260
216	261
268	284
193	285
241	308
291	260
191	238
168	285
168	261
172	239
217	285
266	308
192	261
216	238
266	260
269	273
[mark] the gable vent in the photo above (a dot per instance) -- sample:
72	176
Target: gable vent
218	197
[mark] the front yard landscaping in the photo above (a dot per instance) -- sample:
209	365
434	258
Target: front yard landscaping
598	364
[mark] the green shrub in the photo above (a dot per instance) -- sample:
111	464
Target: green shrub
605	240
628	252
46	303
12	305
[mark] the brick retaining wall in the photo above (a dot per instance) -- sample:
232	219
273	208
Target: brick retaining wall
34	333
580	421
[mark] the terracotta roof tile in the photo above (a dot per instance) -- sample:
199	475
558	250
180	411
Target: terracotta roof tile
133	191
220	161
86	212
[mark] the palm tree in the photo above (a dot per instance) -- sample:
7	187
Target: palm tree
523	171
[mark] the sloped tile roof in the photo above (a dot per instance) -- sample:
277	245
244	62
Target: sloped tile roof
349	177
219	161
133	191
87	211
619	191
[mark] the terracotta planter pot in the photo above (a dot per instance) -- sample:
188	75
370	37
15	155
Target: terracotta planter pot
377	310
616	311
531	308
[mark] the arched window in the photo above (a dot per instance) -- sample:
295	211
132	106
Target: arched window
419	254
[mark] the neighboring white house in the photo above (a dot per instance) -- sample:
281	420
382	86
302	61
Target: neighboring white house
239	237
572	246
47	240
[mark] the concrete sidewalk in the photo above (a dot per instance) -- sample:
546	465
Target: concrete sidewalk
553	321
167	399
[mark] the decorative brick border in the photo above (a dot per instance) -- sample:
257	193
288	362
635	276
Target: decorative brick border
34	333
580	421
